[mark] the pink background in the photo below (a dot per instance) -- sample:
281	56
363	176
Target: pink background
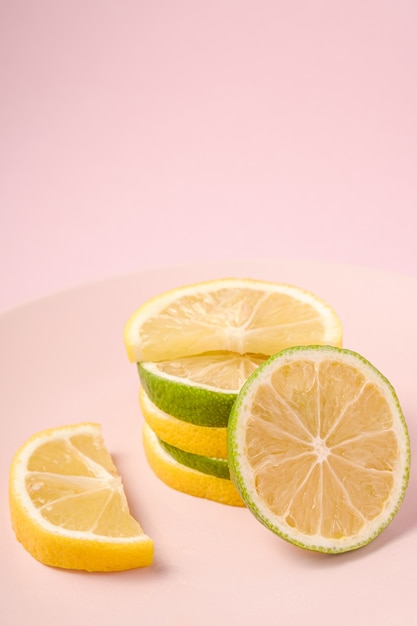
137	135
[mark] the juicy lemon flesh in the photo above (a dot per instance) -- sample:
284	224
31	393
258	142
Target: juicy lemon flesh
74	484
225	370
244	316
67	503
240	320
322	448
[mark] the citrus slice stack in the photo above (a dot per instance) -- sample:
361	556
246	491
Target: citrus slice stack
210	441
195	347
192	474
319	448
67	503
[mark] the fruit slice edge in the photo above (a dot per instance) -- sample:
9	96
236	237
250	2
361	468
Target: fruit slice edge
185	479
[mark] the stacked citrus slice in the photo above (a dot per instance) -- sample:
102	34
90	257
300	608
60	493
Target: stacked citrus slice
195	346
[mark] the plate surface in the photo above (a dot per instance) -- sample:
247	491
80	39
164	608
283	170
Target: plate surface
62	360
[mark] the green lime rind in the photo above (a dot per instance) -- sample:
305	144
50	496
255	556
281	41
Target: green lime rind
247	490
206	465
191	403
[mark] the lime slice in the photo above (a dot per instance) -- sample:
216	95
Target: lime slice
204	440
186	479
201	389
319	448
204	464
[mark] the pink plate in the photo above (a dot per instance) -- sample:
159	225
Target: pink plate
63	361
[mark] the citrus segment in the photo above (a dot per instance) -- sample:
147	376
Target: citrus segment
319	448
204	440
244	316
67	503
185	479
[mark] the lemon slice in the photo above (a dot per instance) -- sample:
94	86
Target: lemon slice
187	479
204	440
199	389
239	315
319	448
67	503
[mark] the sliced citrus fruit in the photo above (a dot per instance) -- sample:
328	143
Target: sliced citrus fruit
199	389
187	479
240	315
319	448
67	503
204	440
207	465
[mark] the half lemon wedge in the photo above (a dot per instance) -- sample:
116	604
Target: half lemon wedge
68	506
